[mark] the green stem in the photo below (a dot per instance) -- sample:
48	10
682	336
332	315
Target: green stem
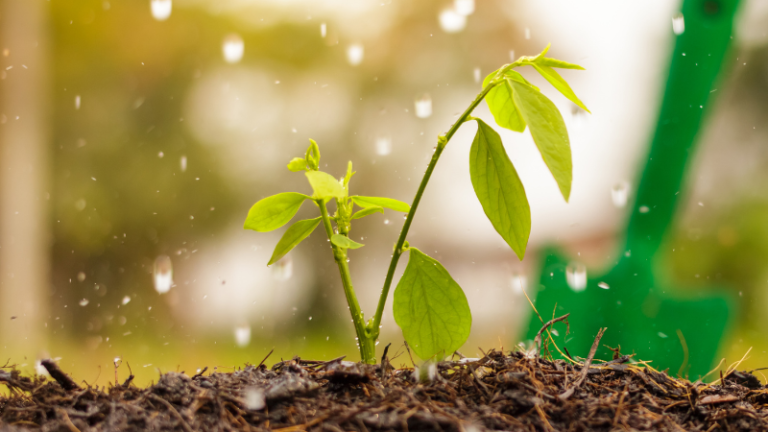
366	343
441	143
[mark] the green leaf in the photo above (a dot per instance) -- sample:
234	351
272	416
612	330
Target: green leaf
549	133
273	212
560	84
389	203
367	211
550	62
292	237
344	242
297	164
431	308
502	106
325	185
499	188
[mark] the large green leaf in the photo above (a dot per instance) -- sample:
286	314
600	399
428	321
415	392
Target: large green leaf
292	237
366	202
548	131
273	212
499	188
560	84
325	185
431	308
502	106
344	242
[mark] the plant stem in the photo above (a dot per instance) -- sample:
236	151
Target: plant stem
441	143
366	343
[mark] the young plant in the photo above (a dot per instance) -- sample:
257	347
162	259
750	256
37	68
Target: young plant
429	306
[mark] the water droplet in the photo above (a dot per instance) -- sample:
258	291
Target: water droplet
323	30
464	7
80	204
243	335
527	33
518	283
161	9
183	163
126	300
80	277
476	75
355	53
576	276
283	269
603	285
310	318
662	335
423	105
77	102
383	146
643	209
619	194
678	24
160	155
84	302
232	48
452	21
163	274
512	55
386	221
254	399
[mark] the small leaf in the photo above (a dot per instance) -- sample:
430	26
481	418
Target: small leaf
325	185
431	308
273	212
389	203
549	133
541	54
499	188
560	84
502	106
292	237
367	211
550	62
344	242
297	164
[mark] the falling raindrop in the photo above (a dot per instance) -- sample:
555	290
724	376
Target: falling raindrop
355	53
243	335
84	302
423	105
619	194
283	269
232	48
183	163
126	300
254	399
512	55
80	204
527	33
323	30
643	209
77	102
576	276
678	24
163	273
452	21
383	146
160	155
386	221
662	335
603	285
161	9
476	74
80	276
519	283
464	7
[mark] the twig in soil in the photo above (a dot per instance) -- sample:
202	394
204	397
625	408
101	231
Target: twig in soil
407	348
537	339
199	374
56	373
173	411
585	367
65	418
265	358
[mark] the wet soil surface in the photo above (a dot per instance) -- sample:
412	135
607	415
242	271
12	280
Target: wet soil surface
501	391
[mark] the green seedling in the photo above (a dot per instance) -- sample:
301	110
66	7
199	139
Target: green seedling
429	306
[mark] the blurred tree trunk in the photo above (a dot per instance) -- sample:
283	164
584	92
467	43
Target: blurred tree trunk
24	198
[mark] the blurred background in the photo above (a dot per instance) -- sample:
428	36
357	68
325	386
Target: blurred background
134	137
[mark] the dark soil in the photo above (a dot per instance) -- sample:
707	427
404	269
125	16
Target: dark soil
496	392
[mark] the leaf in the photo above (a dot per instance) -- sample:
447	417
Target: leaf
502	106
325	185
499	188
344	242
297	164
560	84
550	62
389	203
292	237
431	308
367	211
549	133
273	212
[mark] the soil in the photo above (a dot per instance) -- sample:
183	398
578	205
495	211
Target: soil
501	391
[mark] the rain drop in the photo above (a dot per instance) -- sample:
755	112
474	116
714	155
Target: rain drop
163	274
126	300
576	276
183	164
84	302
243	335
678	24
603	285
518	283
355	53
662	335
476	74
77	102
423	106
643	209
464	7
80	204
160	155
512	55
232	48
619	194
323	30
161	9
383	146
452	21
80	277
283	269
254	399
386	221
527	33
